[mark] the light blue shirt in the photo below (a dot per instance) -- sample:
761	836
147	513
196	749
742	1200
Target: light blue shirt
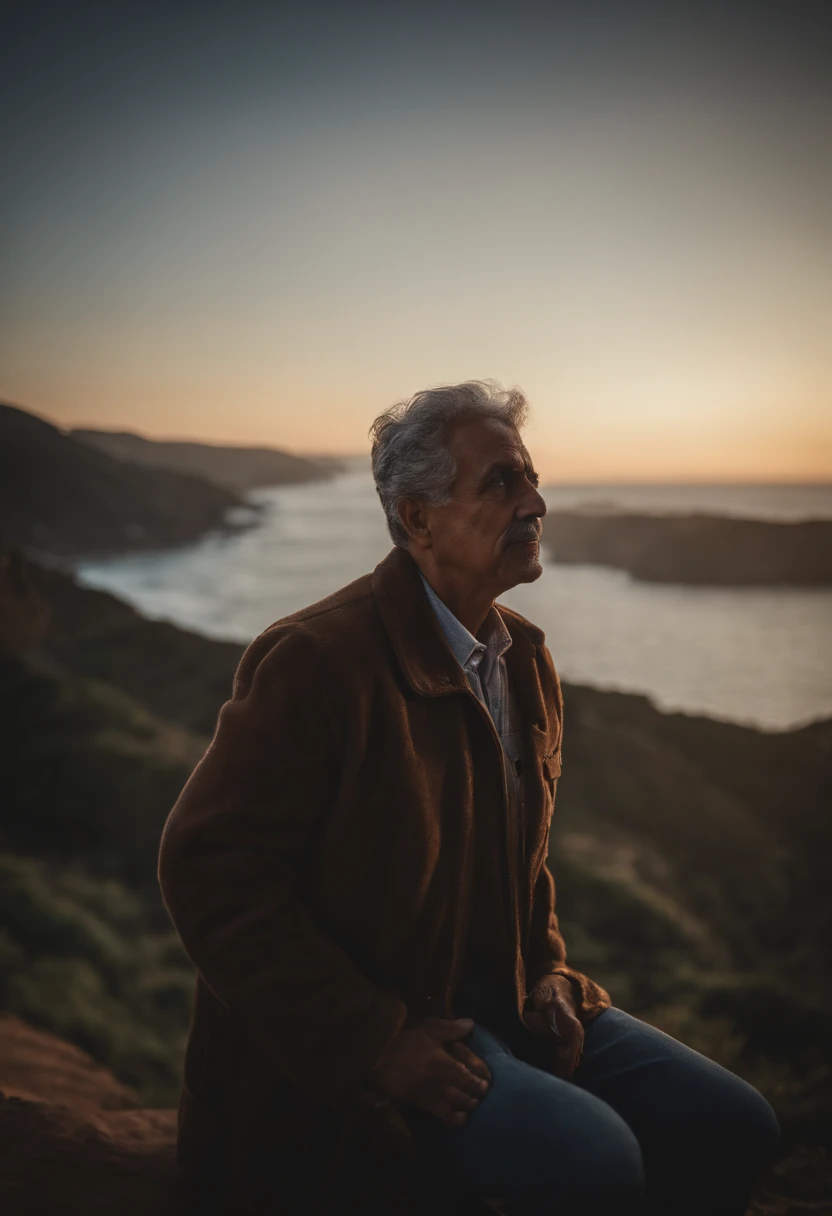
482	662
484	665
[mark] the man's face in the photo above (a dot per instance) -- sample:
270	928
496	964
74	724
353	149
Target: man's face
488	535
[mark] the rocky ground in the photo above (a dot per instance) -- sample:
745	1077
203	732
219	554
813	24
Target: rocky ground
75	1142
73	1139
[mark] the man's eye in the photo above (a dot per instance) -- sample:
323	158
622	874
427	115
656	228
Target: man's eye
507	475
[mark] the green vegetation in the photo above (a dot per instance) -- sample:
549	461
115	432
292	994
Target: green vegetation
90	773
771	1025
83	958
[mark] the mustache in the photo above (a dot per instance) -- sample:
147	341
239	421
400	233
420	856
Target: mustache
530	530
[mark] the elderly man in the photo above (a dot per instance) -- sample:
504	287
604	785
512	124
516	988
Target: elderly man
357	868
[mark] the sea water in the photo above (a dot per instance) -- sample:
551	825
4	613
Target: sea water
761	656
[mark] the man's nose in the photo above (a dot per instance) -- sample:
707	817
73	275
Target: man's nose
534	503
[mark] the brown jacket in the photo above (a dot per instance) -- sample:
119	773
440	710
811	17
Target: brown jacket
317	867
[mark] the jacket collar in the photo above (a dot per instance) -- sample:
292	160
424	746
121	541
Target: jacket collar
426	659
469	650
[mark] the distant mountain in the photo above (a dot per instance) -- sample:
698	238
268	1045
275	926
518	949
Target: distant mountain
61	497
236	468
697	548
351	462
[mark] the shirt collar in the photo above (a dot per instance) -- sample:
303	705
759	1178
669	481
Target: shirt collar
468	650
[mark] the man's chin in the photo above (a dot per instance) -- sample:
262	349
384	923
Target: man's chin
525	569
535	569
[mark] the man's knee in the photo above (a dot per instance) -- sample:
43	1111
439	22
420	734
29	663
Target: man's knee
612	1179
600	1171
753	1125
732	1121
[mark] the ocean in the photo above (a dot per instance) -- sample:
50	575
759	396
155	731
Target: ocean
759	656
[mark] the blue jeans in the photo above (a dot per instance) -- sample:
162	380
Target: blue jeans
645	1125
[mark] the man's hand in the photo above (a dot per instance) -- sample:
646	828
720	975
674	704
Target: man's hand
550	1013
429	1067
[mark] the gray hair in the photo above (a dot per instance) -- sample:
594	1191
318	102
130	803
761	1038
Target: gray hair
411	455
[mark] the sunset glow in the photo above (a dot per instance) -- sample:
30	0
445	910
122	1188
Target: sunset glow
269	232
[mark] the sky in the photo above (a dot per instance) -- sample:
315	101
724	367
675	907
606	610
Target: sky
261	223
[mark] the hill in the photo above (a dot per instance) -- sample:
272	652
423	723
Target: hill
690	855
236	468
60	497
180	676
698	548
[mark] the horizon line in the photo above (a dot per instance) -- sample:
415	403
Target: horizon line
622	480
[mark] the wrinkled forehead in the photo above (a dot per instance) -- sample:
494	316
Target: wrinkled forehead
479	442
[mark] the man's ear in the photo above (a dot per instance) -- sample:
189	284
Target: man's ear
412	516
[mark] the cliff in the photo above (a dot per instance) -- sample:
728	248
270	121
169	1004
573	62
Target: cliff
697	548
60	497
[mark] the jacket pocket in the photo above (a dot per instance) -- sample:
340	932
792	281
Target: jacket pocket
551	765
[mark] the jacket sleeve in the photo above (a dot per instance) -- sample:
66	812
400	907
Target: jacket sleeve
548	952
229	861
547	949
